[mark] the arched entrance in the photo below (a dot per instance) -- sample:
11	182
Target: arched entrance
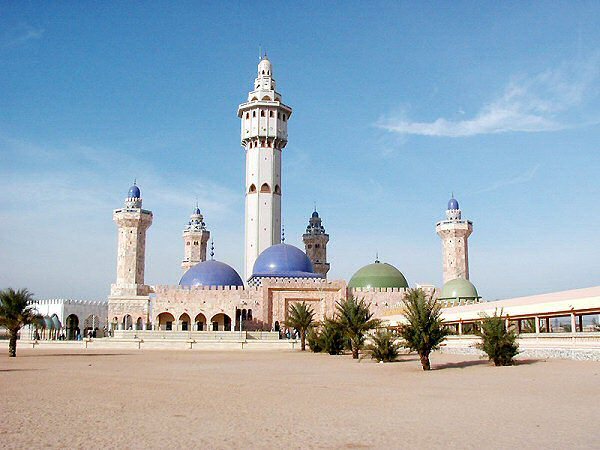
127	322
139	324
72	325
200	322
165	321
184	322
221	322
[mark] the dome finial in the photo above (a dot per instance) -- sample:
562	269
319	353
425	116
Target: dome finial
212	249
282	232
135	181
377	257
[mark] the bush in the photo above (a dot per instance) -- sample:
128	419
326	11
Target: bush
314	340
385	346
497	342
332	337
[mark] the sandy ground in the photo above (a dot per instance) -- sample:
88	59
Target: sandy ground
173	399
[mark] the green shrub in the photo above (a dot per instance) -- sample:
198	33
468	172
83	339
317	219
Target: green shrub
332	337
384	346
314	340
497	342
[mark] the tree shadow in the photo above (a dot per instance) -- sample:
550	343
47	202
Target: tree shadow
460	364
480	362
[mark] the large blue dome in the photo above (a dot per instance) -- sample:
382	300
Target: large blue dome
211	273
453	204
134	192
285	261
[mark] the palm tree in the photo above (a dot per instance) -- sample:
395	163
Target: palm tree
425	330
300	317
498	342
15	313
356	320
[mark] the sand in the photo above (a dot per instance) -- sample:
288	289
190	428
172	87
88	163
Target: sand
175	399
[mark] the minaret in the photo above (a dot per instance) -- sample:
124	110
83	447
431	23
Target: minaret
195	239
129	294
315	244
454	232
264	135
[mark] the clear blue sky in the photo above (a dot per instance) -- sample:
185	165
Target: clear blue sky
396	105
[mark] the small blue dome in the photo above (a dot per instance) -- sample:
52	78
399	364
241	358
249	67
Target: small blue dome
285	261
315	214
134	192
453	204
211	273
197	211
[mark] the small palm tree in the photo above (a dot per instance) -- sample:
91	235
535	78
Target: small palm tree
314	340
497	342
385	346
300	317
425	330
16	312
332	339
356	321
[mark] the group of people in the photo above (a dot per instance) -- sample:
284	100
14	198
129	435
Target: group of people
286	333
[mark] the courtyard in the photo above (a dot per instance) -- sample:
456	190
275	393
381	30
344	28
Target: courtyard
287	399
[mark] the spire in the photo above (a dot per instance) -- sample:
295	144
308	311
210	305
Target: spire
377	257
282	233
212	249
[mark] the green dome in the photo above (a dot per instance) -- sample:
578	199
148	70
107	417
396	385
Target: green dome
458	288
378	275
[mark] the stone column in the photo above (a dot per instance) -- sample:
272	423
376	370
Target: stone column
573	327
537	325
460	328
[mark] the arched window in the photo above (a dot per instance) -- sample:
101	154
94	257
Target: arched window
278	115
270	113
244	314
262	113
252	189
267	98
253	113
284	117
247	115
265	188
277	190
263	72
249	314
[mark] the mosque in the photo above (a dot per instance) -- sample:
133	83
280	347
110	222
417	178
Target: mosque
212	295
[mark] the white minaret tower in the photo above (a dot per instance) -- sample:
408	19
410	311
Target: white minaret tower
195	238
455	232
264	135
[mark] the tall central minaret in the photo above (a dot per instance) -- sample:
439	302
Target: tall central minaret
455	232
264	134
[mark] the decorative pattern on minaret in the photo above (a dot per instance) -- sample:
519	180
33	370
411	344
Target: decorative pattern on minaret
315	244
454	232
264	134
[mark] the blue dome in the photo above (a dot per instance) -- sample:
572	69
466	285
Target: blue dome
134	192
453	204
285	261
211	273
